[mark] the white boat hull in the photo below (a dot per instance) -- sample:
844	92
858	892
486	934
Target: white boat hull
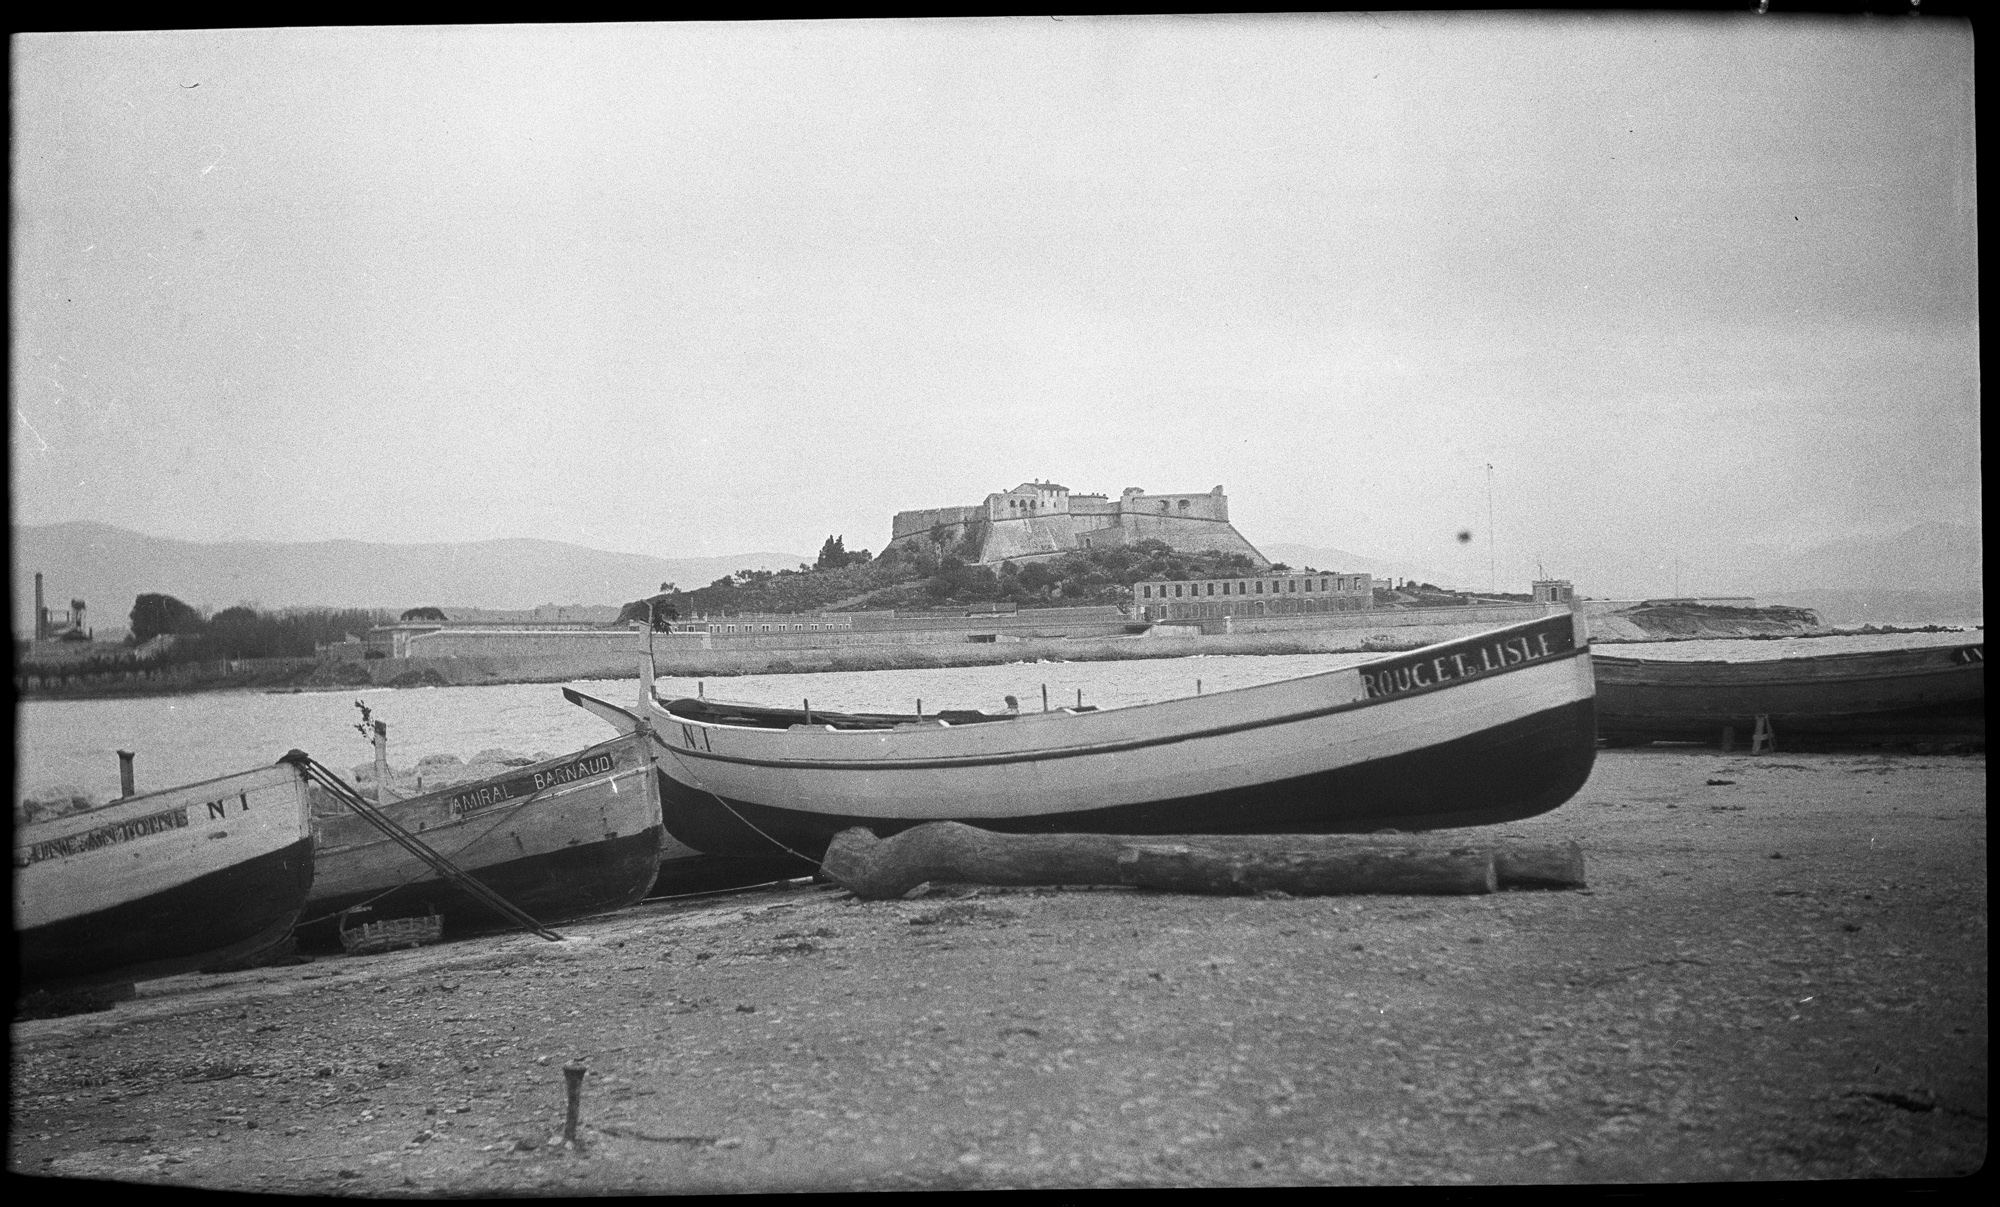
161	883
1479	730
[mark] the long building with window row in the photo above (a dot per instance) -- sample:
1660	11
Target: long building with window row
751	623
1255	595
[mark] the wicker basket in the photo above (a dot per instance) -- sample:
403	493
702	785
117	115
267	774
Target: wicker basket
372	938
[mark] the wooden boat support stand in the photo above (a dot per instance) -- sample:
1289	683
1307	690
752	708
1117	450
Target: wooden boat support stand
1298	864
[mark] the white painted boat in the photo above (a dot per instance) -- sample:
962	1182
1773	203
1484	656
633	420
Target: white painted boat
682	869
165	882
1478	730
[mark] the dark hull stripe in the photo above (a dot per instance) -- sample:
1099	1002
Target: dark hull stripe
233	913
1704	724
1073	752
1670	703
1510	771
1887	667
587	878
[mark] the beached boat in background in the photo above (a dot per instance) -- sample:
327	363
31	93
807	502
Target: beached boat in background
1484	729
558	839
165	882
1931	693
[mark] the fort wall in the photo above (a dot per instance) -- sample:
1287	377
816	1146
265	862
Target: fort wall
1213	505
1189	534
917	523
526	643
1028	536
1042	519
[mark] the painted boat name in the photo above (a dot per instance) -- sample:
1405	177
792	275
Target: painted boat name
1471	661
104	836
487	795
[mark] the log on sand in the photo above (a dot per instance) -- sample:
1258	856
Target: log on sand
1301	864
1183	868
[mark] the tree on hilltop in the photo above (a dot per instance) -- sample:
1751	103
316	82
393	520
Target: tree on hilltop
834	555
424	613
154	615
662	613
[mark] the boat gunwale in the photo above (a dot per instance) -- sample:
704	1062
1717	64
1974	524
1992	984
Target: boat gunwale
465	819
1581	647
96	812
462	786
512	773
1915	654
1712	681
1095	748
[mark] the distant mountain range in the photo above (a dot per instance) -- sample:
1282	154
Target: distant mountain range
1928	557
108	567
1931	572
1925	558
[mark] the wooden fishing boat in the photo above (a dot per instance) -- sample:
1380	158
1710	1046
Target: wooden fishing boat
165	882
559	839
1484	729
684	870
1927	693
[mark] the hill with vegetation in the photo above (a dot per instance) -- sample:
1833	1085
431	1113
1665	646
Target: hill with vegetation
922	575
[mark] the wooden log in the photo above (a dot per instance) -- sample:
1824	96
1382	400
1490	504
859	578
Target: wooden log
1181	868
1519	865
948	852
1522	866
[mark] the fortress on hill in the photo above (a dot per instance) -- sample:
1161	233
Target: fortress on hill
1041	519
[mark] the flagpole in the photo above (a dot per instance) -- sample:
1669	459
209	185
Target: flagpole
1492	578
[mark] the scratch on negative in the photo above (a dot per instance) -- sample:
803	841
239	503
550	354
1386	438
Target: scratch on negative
22	416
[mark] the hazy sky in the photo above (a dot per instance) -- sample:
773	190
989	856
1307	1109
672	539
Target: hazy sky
703	289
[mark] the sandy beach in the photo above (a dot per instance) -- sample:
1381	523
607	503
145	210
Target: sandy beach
1779	971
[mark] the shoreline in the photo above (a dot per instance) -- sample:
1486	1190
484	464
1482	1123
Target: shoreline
723	664
1778	971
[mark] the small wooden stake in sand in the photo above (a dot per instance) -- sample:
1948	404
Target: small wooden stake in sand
1301	864
573	1074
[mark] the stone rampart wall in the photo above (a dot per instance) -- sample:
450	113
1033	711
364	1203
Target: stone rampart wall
1186	535
472	643
1015	538
907	636
584	651
914	523
1023	618
1208	505
1478	618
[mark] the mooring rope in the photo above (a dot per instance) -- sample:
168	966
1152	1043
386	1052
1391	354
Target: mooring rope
327	779
413	877
732	812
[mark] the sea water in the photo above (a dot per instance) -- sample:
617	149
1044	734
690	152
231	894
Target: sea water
187	739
